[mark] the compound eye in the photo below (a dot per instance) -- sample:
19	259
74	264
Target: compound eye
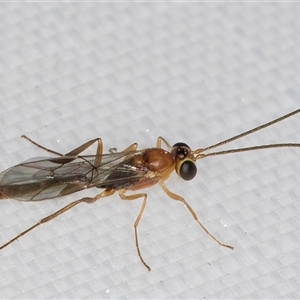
180	151
181	145
188	170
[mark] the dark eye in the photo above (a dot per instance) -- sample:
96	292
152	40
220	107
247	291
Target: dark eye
181	145
180	151
188	170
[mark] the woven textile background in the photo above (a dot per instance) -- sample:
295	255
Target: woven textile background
129	72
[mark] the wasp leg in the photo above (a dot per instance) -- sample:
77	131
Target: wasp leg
40	146
77	150
179	198
86	145
136	223
160	140
74	152
105	193
132	147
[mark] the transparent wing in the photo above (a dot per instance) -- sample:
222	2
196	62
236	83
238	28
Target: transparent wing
46	178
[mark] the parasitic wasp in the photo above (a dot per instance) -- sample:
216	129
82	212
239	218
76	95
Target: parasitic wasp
131	169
